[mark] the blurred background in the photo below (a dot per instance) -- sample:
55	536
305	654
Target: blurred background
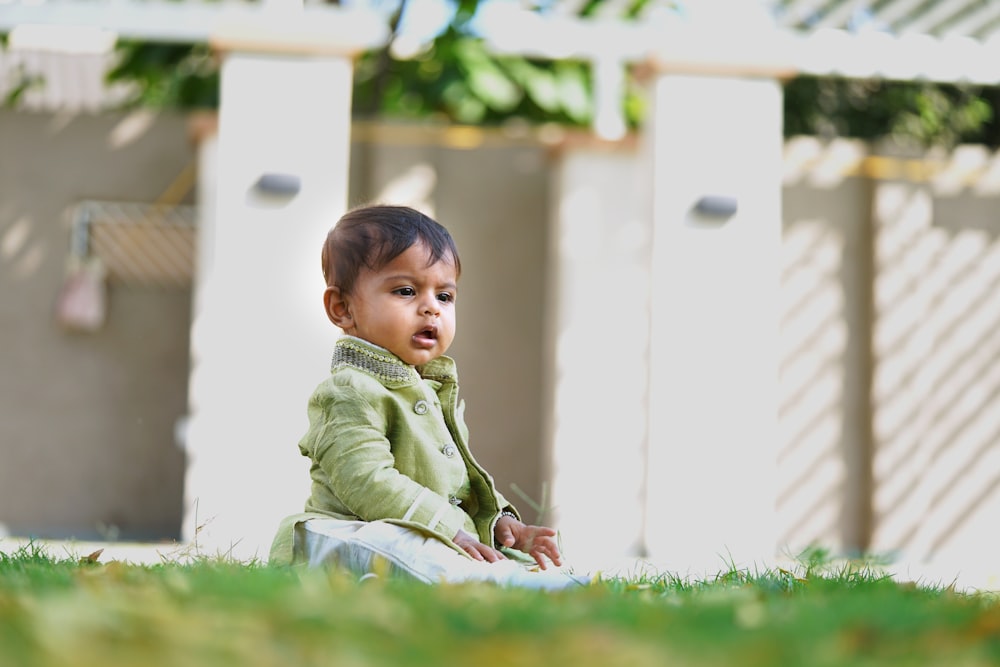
730	267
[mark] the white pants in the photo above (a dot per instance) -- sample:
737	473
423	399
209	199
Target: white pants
370	548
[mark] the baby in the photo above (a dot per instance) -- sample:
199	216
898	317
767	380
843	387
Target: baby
394	485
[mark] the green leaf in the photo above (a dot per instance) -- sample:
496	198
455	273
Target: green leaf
465	107
574	91
485	78
538	82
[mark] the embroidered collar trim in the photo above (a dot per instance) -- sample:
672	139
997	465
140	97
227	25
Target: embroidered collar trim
374	360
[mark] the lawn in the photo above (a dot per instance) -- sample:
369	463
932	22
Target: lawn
84	613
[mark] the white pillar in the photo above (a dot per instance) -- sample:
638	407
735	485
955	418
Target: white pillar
598	323
260	341
713	372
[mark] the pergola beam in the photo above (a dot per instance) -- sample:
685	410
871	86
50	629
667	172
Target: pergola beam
312	27
679	44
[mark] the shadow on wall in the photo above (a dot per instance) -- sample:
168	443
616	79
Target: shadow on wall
936	390
890	368
822	339
22	253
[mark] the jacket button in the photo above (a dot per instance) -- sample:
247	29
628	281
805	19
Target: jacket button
420	407
449	450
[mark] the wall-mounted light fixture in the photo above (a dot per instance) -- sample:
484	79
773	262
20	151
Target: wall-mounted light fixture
278	185
273	190
719	207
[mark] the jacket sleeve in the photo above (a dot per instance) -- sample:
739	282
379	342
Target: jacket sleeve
347	440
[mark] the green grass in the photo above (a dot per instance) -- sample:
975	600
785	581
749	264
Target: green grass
214	612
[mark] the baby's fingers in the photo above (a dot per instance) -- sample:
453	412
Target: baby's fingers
488	554
546	548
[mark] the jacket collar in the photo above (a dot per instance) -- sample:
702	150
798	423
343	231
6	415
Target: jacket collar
385	366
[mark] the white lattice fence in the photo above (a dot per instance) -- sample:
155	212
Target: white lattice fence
142	244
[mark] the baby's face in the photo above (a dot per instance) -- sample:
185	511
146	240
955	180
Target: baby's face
407	307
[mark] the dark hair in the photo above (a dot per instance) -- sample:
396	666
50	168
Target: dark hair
373	236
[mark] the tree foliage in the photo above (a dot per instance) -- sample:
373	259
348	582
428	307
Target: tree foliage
456	79
917	113
161	75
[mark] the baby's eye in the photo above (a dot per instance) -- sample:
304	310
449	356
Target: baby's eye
404	291
446	297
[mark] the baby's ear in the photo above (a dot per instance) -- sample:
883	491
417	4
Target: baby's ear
337	307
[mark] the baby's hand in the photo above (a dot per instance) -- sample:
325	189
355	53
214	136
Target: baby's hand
537	541
477	549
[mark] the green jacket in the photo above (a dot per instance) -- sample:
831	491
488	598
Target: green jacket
388	441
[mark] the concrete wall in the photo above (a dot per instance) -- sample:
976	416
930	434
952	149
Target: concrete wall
890	366
936	340
824	360
86	421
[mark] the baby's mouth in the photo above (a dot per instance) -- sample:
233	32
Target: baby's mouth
426	336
